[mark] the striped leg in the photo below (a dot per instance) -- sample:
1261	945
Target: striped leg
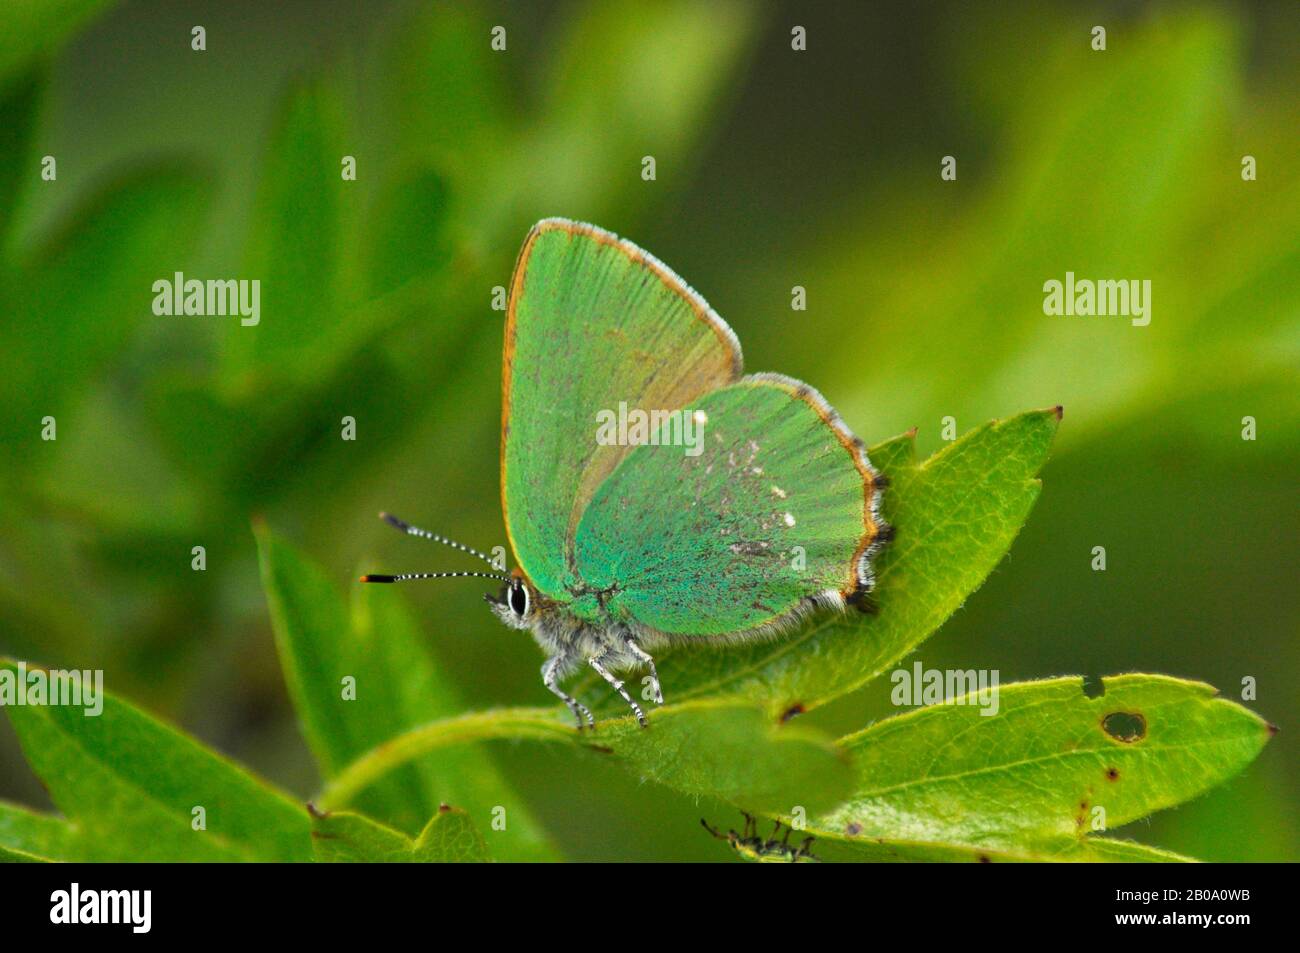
550	673
644	657
617	684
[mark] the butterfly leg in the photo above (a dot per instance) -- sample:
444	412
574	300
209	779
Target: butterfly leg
644	657
617	684
550	676
713	830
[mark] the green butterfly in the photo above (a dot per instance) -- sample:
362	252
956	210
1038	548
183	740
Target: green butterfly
721	509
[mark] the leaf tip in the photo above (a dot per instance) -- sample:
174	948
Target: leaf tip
1059	411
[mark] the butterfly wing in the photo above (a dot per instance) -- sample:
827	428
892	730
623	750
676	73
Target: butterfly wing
777	513
592	320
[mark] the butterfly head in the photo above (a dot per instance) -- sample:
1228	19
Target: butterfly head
517	599
515	604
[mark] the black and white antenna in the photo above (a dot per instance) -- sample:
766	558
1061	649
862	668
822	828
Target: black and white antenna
410	530
404	577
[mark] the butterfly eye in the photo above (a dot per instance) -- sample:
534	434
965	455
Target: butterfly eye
519	599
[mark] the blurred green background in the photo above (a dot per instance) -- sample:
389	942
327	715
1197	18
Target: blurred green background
775	168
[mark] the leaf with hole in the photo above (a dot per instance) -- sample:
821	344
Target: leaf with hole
1053	767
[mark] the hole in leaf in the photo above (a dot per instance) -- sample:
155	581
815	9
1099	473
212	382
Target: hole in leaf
1093	686
1125	726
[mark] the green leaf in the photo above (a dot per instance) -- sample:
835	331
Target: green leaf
733	752
842	849
77	302
346	837
397	687
13	856
1153	122
451	108
408	228
18	105
304	211
729	750
130	783
1032	777
661	68
34	835
954	516
1109	850
450	836
30	29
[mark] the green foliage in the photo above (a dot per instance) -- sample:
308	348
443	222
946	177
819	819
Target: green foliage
395	686
924	301
449	837
130	785
301	223
944	782
708	748
1037	777
117	236
26	835
1020	786
31	29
